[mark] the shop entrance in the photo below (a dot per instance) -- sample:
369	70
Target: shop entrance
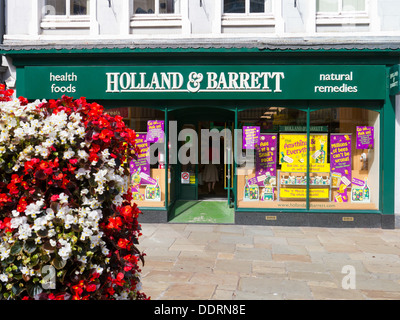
204	173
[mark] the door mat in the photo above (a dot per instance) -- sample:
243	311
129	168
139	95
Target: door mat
198	211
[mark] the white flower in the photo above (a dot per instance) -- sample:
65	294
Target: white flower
65	250
99	176
86	233
82	154
63	198
16	222
3	277
4	253
24	231
25	271
82	259
68	154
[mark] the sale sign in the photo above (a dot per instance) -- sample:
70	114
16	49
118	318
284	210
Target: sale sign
365	137
341	164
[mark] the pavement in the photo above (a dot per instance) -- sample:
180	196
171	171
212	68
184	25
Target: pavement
236	262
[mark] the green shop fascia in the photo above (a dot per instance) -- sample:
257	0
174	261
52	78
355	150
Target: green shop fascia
289	94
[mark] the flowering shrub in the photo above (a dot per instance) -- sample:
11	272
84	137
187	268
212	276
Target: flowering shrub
65	202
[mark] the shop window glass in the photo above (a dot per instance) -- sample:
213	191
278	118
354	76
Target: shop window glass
348	160
263	180
148	171
156	6
67	7
343	163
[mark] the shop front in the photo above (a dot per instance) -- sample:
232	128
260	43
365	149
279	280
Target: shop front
267	143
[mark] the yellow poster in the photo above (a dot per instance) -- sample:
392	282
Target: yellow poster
300	193
302	167
318	148
293	148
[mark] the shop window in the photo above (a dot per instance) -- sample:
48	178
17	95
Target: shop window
148	170
71	15
343	159
259	177
351	158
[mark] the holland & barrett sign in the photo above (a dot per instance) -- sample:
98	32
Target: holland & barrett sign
206	82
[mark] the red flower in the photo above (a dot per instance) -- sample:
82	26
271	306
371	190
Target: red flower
6	224
16	178
114	223
91	288
73	161
23	101
13	189
93	157
4	198
124	244
126	212
22	204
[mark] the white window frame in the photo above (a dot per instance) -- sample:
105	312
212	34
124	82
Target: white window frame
161	20
68	21
344	17
247	9
157	10
249	19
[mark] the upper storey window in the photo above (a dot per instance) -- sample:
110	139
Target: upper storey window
156	7
67	7
342	16
341	6
247	6
65	16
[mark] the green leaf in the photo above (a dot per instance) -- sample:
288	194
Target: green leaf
58	262
34	289
16	290
30	246
42	233
16	248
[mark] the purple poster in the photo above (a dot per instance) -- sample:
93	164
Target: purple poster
142	161
155	131
251	137
341	165
365	137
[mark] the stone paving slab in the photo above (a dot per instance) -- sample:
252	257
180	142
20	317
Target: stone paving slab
234	262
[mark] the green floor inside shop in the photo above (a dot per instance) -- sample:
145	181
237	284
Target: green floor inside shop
201	212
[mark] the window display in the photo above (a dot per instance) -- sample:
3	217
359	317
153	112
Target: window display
343	159
147	178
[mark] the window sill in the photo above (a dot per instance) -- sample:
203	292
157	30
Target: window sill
330	19
63	22
170	20
247	20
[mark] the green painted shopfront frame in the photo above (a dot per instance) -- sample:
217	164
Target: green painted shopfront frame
118	77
